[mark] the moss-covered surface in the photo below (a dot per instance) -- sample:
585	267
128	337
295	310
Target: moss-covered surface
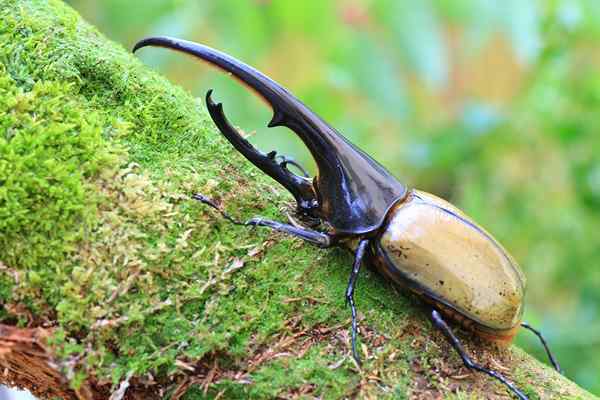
101	243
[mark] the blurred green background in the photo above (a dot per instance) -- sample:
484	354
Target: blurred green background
494	105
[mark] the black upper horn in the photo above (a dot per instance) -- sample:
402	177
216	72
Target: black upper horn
353	191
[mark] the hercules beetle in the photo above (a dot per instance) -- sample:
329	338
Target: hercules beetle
413	238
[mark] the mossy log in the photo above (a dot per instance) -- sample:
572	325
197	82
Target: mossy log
113	282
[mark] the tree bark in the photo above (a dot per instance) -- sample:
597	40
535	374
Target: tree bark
114	283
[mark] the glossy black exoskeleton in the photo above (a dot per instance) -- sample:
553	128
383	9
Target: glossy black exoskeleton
414	239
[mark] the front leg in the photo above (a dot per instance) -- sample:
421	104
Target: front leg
317	238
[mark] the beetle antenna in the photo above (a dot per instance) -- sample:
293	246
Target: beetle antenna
548	352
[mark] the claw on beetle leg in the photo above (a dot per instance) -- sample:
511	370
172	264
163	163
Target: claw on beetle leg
441	324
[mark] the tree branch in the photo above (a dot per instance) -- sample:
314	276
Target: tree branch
113	281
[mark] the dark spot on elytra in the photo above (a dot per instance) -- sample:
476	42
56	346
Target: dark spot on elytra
401	251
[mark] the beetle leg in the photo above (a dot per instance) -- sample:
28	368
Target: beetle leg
548	352
300	187
358	258
320	239
439	322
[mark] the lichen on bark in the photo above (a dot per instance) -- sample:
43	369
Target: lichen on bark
121	284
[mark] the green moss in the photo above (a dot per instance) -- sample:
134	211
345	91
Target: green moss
48	158
97	162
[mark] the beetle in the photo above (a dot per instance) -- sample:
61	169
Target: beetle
414	239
